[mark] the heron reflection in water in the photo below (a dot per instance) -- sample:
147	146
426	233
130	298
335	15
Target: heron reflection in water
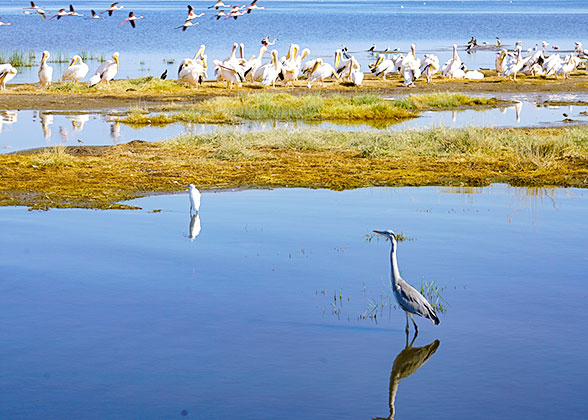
406	363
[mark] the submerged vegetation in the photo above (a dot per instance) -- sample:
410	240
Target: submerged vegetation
100	177
30	58
310	107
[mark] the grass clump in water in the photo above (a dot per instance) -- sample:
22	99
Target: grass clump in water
19	58
442	100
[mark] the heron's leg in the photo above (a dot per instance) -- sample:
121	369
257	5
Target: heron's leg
414	323
406	329
413	338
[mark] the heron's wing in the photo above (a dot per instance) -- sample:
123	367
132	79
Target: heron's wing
412	301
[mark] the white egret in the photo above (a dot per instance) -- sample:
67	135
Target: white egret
194	196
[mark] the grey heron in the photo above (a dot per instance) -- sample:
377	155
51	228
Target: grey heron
409	298
194	198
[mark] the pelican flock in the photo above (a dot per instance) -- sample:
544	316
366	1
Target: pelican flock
269	69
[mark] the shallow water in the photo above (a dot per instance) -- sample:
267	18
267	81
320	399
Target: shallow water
21	130
119	314
321	26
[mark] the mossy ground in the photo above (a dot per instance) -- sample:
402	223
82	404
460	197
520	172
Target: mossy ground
101	177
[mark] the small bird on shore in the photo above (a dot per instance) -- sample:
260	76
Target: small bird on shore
408	298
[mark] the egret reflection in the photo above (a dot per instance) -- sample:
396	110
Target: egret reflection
194	226
406	363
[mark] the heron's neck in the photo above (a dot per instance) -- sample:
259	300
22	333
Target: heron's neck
394	264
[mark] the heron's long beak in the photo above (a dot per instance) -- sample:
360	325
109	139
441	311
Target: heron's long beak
379	232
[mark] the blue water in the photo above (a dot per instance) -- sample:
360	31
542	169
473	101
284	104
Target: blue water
322	26
120	315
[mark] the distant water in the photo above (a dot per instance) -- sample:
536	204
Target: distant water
321	26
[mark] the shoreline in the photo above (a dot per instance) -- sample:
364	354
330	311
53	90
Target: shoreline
138	93
101	177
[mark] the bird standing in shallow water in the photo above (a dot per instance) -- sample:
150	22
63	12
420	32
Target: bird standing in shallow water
194	199
409	298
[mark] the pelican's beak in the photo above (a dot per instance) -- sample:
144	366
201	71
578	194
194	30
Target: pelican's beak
116	59
318	63
378	61
73	61
337	58
200	51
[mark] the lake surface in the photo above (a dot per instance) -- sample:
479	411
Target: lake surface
29	129
154	45
122	315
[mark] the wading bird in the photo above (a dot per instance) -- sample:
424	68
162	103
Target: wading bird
45	71
105	72
408	298
113	7
194	199
132	19
7	73
76	71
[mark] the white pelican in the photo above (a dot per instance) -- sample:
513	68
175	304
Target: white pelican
113	7
4	23
230	74
94	16
513	67
410	67
354	73
500	62
552	65
76	71
291	69
60	14
271	73
430	66
570	64
105	72
253	64
7	73
473	75
382	66
537	57
452	65
132	19
193	71
345	67
320	72
45	71
253	6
